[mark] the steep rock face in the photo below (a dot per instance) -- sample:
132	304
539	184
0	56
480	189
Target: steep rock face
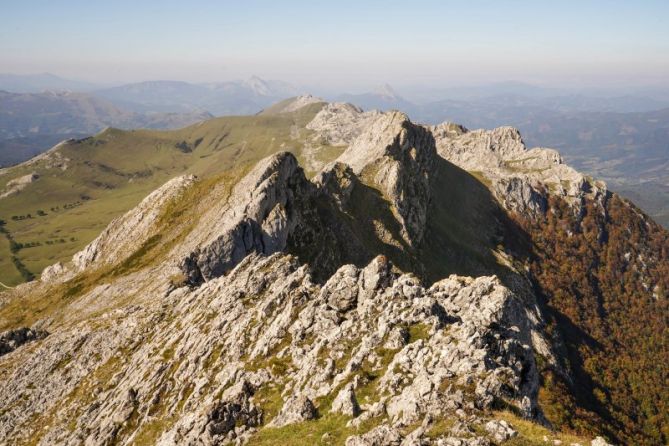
258	217
397	156
517	195
520	178
478	148
273	207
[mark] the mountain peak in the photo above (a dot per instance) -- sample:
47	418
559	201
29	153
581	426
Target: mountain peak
258	86
387	92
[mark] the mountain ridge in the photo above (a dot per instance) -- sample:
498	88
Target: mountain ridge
235	286
616	136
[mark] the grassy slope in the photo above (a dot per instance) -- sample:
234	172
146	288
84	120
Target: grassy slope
116	169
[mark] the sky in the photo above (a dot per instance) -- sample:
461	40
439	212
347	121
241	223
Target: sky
341	43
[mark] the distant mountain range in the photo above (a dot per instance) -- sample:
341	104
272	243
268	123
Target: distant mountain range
223	98
35	83
32	122
38	111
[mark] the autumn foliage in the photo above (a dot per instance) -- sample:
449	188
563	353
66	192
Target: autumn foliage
602	272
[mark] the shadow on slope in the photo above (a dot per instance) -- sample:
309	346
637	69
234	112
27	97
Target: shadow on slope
465	226
466	231
355	231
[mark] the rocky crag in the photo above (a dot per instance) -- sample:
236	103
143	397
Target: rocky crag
264	307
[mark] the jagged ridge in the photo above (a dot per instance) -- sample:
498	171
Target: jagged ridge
273	322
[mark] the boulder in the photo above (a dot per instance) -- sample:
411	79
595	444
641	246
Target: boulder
345	403
296	409
500	430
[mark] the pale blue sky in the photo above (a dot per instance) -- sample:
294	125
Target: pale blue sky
341	43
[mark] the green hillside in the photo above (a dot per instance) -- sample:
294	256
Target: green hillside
109	173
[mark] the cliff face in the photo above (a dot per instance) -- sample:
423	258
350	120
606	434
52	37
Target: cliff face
263	307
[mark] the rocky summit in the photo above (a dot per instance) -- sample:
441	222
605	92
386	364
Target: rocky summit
414	291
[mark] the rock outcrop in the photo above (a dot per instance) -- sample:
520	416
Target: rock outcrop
257	218
18	184
520	178
397	156
339	124
267	324
201	357
113	244
477	149
12	339
500	430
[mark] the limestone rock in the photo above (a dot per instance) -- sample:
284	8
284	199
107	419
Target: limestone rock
12	339
337	181
338	124
474	150
205	352
599	441
383	435
345	403
295	409
233	411
18	184
341	291
278	299
254	219
518	195
398	156
113	244
500	430
519	178
53	272
469	441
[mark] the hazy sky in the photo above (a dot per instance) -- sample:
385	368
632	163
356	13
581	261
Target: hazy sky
341	43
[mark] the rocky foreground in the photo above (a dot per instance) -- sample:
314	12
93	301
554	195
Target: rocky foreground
269	308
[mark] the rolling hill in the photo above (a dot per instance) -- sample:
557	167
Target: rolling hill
30	123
